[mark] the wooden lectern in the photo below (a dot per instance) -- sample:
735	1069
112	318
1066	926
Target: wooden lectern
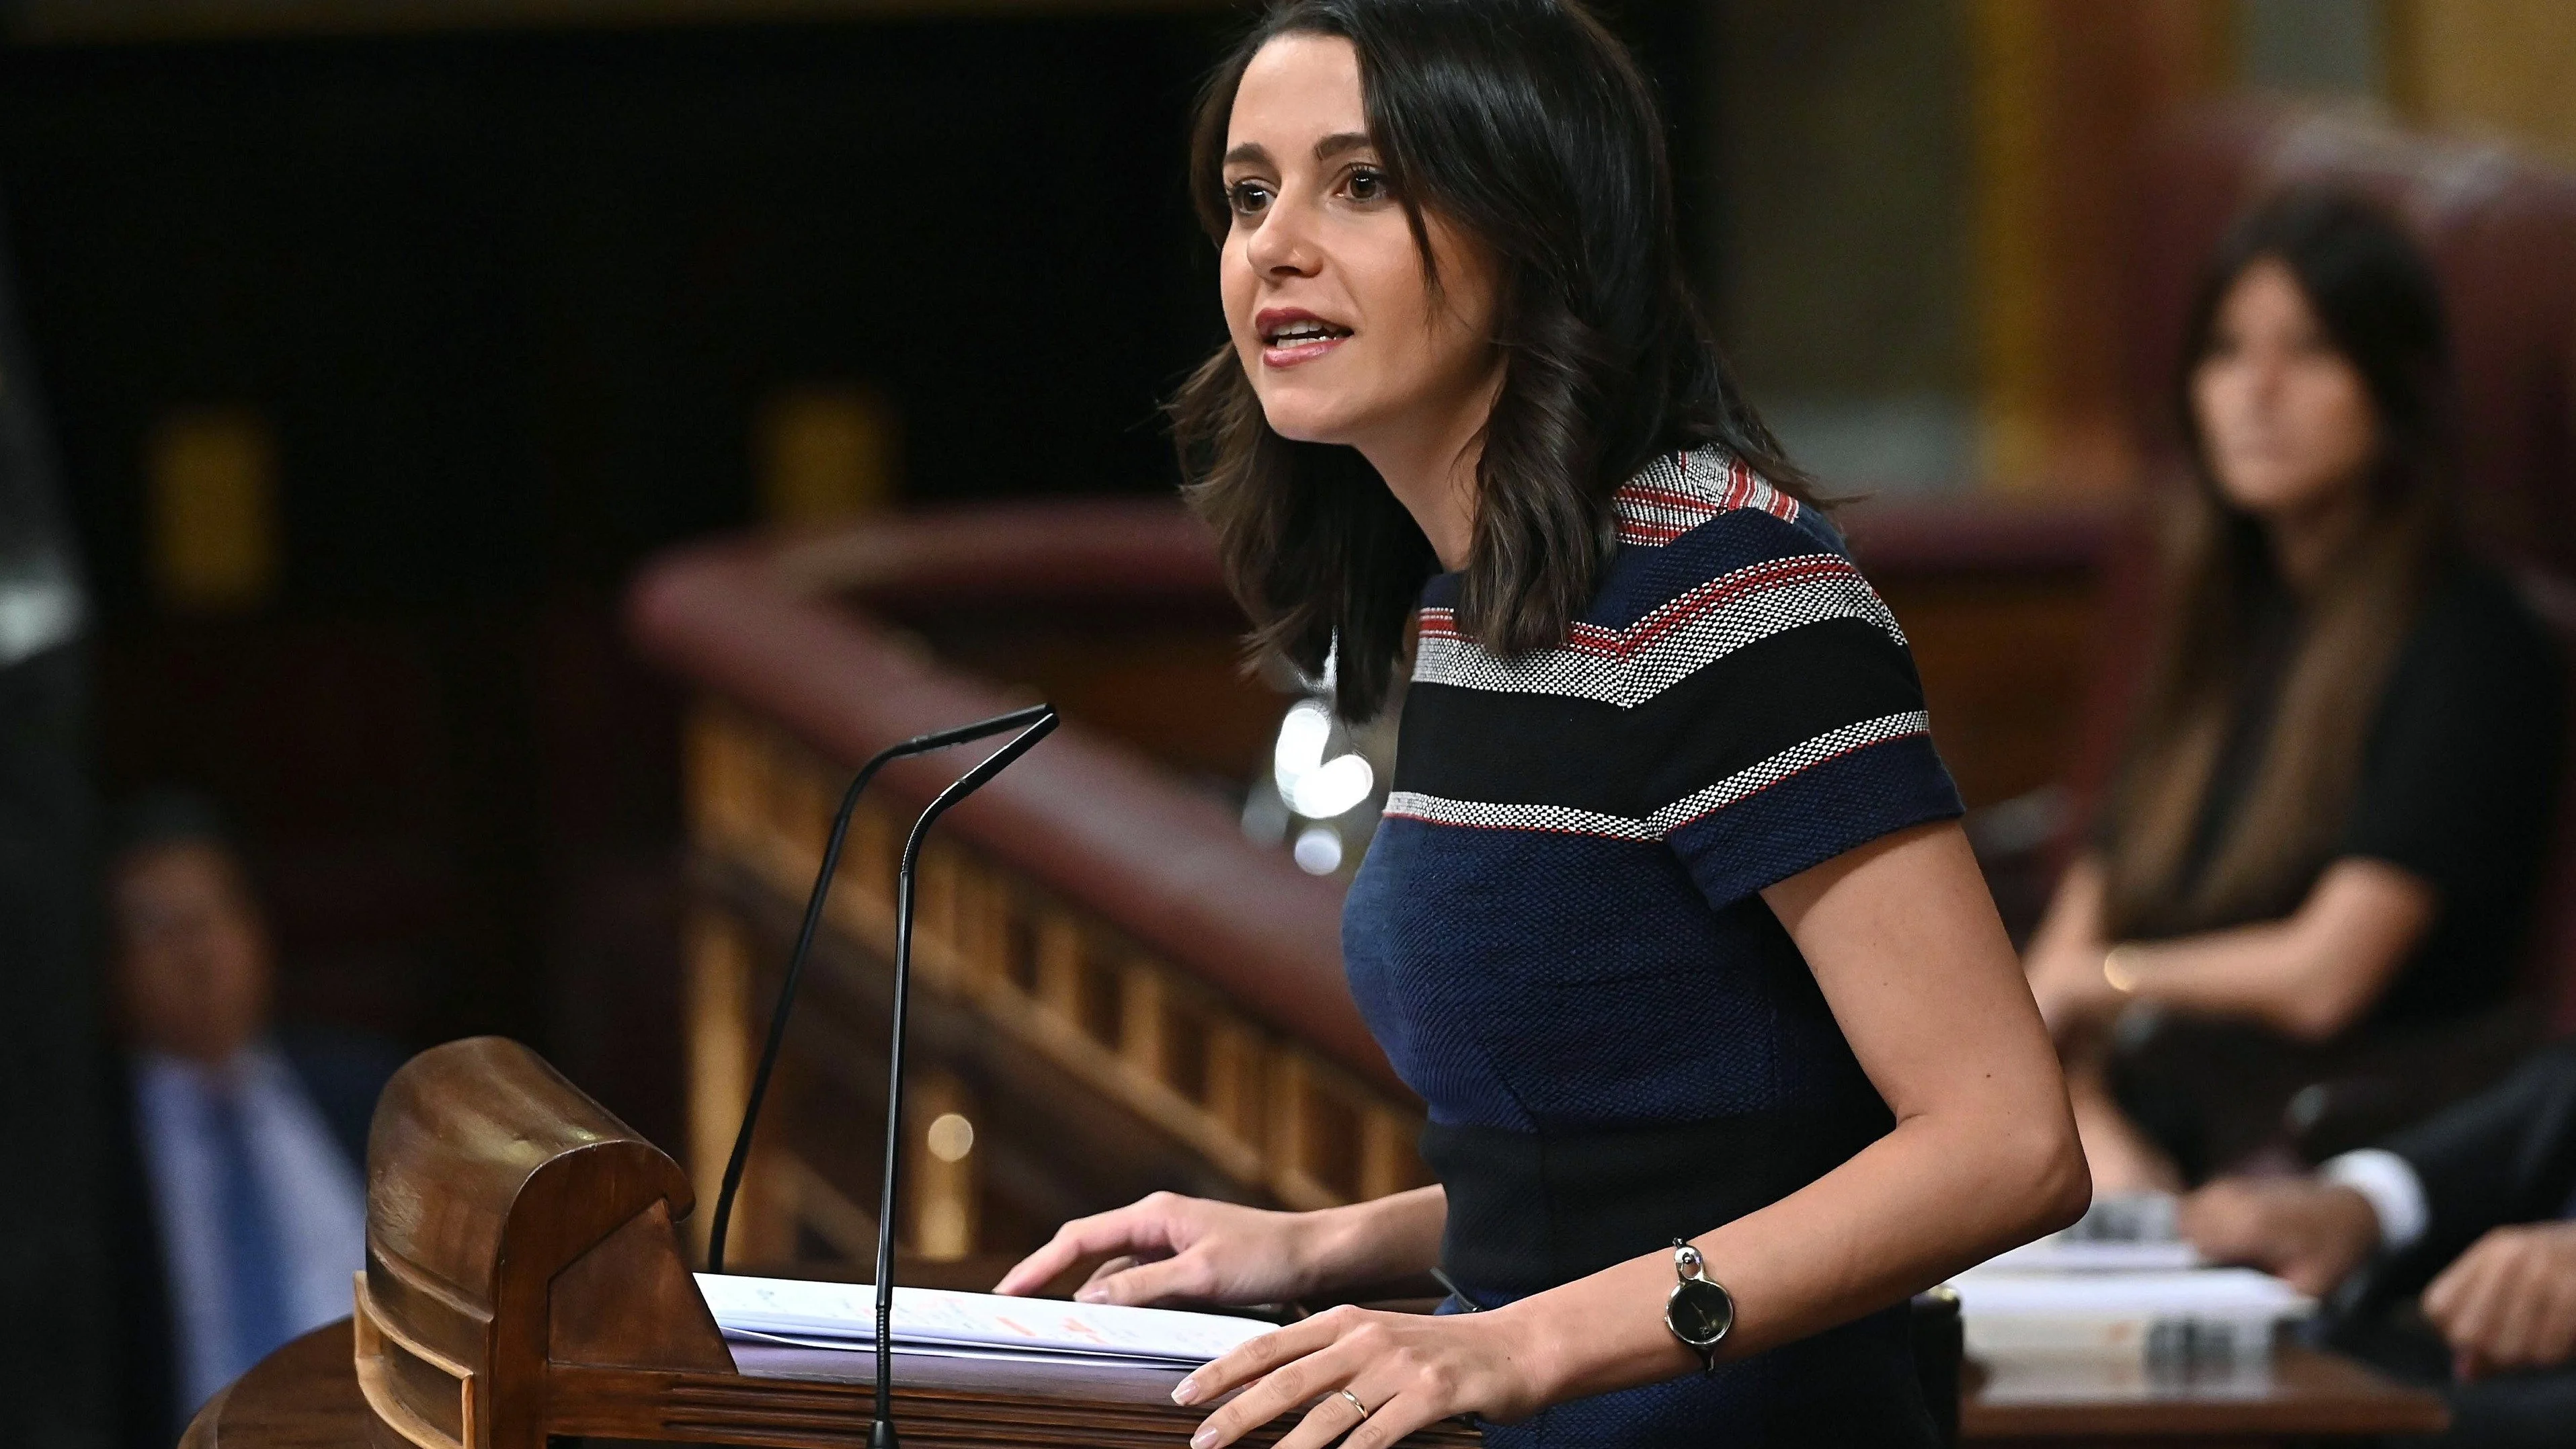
525	1279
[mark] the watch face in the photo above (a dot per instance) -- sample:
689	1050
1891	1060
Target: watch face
1699	1312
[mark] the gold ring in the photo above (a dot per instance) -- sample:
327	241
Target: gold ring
1355	1403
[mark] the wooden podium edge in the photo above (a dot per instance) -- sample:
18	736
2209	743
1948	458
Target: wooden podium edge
525	1280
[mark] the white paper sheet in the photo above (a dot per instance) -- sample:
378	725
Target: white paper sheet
943	1350
2212	1291
843	1315
2057	1254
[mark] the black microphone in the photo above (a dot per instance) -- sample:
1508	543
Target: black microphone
919	744
881	1433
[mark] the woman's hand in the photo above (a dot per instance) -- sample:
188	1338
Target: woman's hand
2310	975
2064	962
1168	1248
2075	996
1405	1369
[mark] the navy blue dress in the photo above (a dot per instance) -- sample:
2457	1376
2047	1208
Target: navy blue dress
1557	934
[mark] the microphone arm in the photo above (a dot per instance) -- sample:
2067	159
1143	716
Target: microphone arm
918	744
881	1433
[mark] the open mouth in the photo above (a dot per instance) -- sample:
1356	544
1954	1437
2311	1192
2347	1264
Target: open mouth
1303	333
1292	335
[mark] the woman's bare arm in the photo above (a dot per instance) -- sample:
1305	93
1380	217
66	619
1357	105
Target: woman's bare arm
1903	938
2310	975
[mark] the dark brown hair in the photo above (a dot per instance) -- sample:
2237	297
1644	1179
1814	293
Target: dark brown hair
2373	293
1525	126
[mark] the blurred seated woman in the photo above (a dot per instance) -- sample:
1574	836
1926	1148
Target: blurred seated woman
2320	854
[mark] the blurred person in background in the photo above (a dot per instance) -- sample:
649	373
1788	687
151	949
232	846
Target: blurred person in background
2320	854
2475	1211
252	1140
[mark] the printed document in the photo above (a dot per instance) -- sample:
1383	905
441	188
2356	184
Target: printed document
934	1320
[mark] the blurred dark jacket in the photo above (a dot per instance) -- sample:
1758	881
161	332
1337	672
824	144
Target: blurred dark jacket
2504	1156
2507	1155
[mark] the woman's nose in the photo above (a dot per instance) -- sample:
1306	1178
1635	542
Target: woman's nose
2267	381
1284	244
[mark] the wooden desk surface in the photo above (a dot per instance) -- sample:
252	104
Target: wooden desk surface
2301	1394
305	1396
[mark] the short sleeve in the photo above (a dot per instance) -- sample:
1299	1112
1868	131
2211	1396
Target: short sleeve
1811	741
2459	772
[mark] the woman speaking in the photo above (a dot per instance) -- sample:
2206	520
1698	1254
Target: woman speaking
1669	920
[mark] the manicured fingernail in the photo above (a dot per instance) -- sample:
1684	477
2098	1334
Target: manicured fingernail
1186	1391
1202	1439
1091	1295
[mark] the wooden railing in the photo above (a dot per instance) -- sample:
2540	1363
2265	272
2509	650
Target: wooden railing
1099	951
1269	1113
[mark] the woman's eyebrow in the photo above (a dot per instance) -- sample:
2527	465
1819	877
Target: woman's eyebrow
1248	153
1339	142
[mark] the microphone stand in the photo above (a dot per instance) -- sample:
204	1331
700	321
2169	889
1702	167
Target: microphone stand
881	1433
919	744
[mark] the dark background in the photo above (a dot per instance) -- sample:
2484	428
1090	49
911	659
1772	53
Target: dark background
508	302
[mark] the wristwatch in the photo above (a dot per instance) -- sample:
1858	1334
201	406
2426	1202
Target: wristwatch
1699	1311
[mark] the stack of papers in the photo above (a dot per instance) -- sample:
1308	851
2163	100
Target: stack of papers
802	1314
2122	1285
2150	1316
2058	1253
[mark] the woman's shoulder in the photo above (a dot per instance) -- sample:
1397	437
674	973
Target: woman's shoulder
2476	631
1713	564
2480	683
1700	530
1676	497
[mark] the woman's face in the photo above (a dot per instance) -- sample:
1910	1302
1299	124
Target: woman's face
2285	418
1325	294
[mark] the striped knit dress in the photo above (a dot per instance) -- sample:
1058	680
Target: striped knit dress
1559	939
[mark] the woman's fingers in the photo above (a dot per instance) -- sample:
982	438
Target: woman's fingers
1140	1283
1333	1416
1405	1371
1250	1360
1040	1268
1392	1420
1111	1268
1313	1375
1143	1225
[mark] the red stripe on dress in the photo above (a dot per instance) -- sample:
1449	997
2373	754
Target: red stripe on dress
1607	643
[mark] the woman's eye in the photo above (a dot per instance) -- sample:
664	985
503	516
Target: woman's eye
1247	197
1367	184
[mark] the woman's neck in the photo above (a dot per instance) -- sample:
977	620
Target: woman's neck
2306	543
1431	470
